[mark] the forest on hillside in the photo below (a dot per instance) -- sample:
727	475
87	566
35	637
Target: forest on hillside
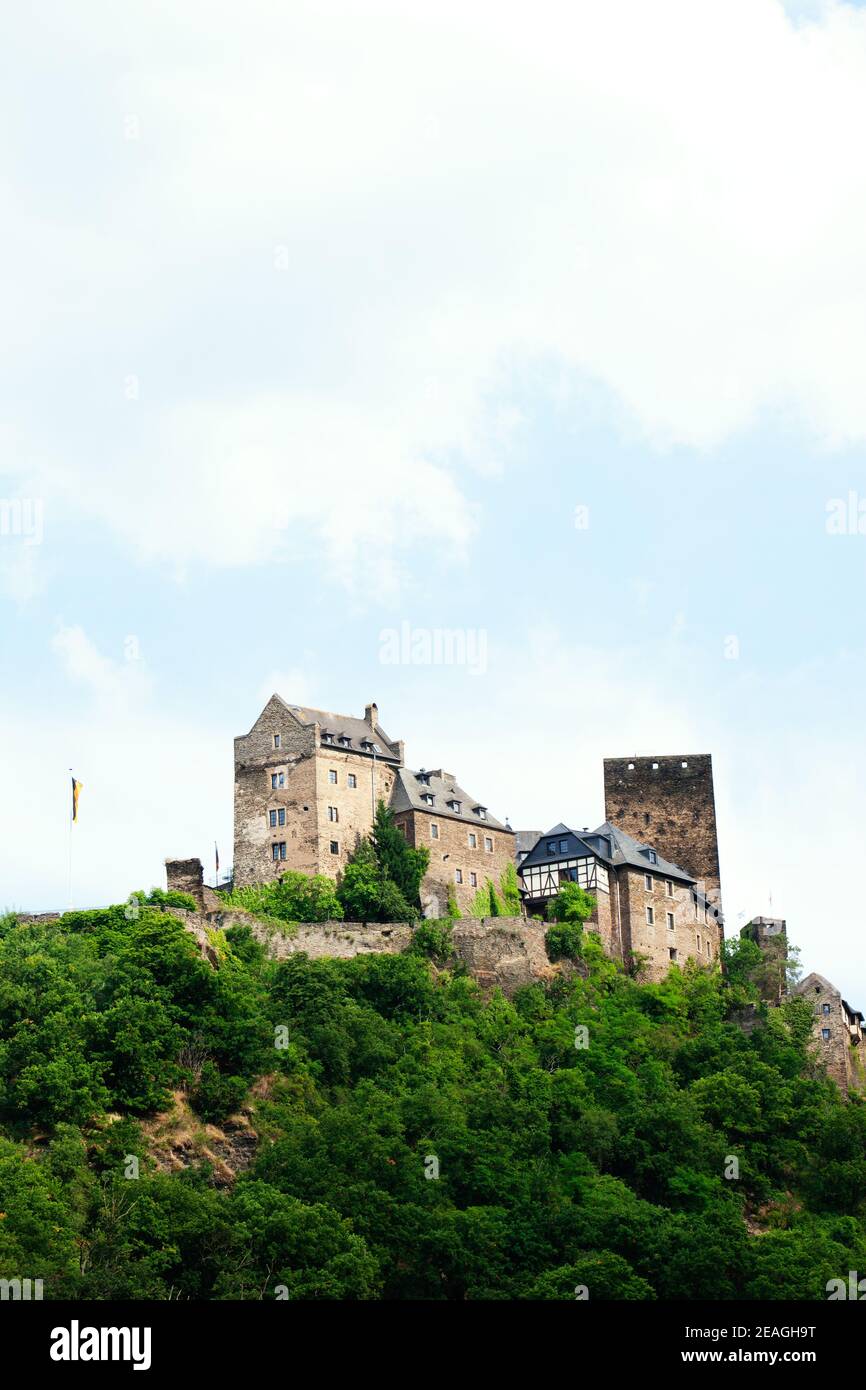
410	1138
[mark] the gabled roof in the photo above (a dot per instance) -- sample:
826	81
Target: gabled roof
356	730
408	791
609	844
627	850
810	982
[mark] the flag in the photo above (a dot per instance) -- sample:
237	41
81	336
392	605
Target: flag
217	858
76	788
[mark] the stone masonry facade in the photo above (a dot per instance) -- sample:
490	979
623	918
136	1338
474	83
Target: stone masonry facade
837	1031
669	802
306	786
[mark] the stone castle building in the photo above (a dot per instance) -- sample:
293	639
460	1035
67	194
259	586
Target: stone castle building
648	909
306	787
837	1030
669	802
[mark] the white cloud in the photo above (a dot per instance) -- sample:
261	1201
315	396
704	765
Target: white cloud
665	198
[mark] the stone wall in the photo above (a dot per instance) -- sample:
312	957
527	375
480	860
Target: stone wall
669	803
837	1052
453	850
498	951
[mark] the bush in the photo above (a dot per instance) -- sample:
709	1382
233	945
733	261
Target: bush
217	1096
564	941
295	897
571	904
158	897
433	940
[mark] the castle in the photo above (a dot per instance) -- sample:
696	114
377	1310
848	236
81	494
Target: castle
306	786
307	783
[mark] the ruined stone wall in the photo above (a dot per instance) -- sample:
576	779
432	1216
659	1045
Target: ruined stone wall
669	803
498	951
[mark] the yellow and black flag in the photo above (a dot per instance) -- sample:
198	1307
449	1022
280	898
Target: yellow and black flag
76	788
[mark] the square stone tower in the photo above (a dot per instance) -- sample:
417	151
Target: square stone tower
669	802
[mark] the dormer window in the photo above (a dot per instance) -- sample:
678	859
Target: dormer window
327	736
653	857
428	798
344	740
455	806
423	778
481	812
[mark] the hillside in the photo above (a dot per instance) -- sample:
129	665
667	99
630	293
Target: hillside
381	1128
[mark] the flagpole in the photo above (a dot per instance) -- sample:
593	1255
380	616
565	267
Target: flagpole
69	836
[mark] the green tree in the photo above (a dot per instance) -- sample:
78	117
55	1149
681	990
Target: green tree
397	860
571	904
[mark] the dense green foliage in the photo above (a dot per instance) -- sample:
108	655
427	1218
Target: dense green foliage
382	880
567	912
415	1140
294	897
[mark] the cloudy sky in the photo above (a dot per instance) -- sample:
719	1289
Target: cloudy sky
540	323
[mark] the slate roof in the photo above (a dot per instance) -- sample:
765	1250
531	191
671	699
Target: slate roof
407	792
353	729
609	844
525	840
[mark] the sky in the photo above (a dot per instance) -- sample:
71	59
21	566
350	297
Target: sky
331	327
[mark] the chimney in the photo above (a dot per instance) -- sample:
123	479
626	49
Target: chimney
371	715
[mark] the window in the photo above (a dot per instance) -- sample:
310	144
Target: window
335	847
473	840
825	1034
672	952
551	847
278	779
653	857
655	767
671	927
333	813
563	846
353	781
488	844
276	740
458	875
481	812
434	831
648	882
709	952
455	807
332	776
473	879
272	818
650	916
825	1008
281	816
428	798
699	943
669	887
278	850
